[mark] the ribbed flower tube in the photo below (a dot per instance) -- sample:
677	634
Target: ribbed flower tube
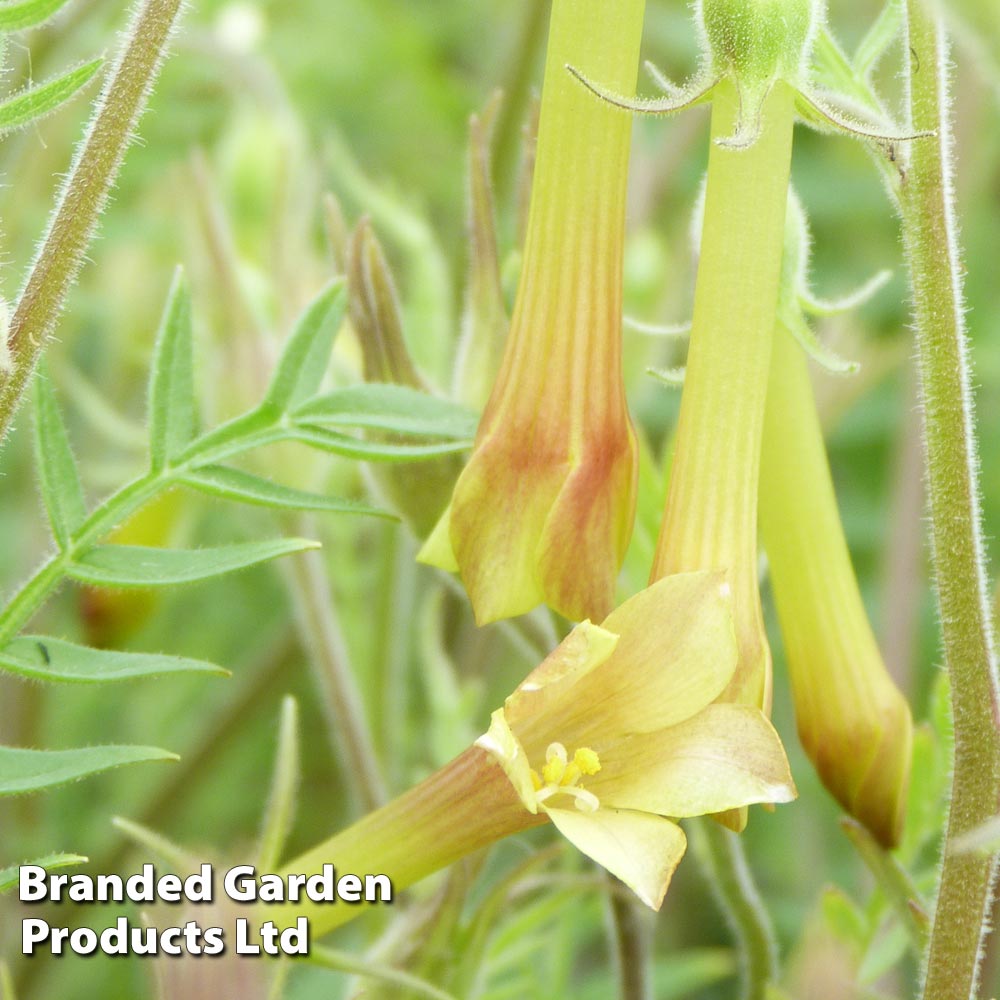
543	512
853	721
710	520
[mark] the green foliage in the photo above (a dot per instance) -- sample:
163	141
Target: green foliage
9	876
57	472
142	566
17	15
48	659
37	102
172	417
24	771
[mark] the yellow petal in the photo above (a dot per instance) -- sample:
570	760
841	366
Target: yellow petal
676	653
551	686
437	550
589	526
640	849
498	511
503	746
726	756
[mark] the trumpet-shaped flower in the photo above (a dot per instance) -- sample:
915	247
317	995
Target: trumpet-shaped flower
543	512
612	738
616	735
854	722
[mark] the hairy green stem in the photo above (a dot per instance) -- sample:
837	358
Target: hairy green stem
721	854
92	175
965	890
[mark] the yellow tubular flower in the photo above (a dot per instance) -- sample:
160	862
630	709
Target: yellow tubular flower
612	738
543	512
854	723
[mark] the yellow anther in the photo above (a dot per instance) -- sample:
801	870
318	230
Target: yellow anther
535	780
587	761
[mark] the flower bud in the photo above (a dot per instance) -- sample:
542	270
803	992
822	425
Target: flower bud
417	490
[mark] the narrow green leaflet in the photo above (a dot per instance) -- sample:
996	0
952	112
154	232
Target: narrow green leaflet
172	412
9	876
57	472
395	408
28	13
32	770
880	38
303	362
372	451
44	658
140	566
244	487
35	102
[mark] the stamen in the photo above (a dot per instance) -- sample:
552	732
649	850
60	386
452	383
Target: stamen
560	775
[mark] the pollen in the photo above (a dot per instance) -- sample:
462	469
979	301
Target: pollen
561	775
587	761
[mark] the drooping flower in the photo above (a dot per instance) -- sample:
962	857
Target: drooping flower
853	721
543	512
612	738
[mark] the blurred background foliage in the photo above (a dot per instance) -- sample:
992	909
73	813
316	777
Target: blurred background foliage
263	107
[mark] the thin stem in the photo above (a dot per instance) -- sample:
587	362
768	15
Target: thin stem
631	937
320	633
342	961
92	175
965	892
721	853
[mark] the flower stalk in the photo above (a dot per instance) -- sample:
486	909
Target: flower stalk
965	894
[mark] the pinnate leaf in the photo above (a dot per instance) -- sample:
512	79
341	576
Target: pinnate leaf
372	451
303	362
9	876
28	13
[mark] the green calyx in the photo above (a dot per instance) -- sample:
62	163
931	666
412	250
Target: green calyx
759	41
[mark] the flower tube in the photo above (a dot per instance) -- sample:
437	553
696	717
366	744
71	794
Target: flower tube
853	721
543	512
